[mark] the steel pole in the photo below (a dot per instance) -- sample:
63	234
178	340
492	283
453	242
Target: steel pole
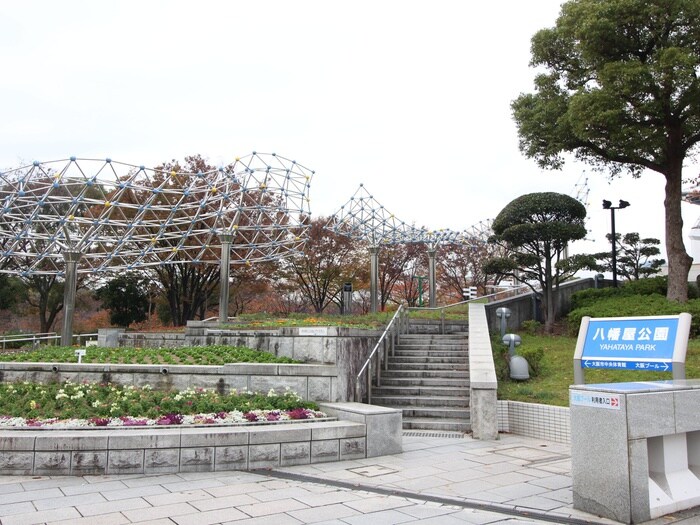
432	302
225	266
614	247
373	277
71	258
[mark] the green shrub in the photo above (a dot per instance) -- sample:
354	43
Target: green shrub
650	286
531	326
534	358
635	305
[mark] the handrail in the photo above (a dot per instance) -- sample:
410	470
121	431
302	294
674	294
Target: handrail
36	338
368	363
517	290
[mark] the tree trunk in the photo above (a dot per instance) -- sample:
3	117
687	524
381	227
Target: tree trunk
678	260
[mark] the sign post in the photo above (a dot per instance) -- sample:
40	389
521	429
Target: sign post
655	343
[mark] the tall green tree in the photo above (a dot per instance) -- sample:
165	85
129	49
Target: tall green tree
636	257
12	291
126	298
620	90
535	229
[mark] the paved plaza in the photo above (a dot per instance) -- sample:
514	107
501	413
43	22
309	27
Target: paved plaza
438	479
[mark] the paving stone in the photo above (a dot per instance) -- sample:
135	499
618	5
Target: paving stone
119	505
87	488
44	516
115	518
154	513
275	519
31	495
272	507
134	492
223	502
553	482
377	504
170	498
387	517
209	517
68	501
21	507
327	512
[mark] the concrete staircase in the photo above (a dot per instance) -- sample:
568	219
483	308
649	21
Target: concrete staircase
428	379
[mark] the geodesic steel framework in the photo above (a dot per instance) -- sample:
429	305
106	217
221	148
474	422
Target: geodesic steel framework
366	219
94	216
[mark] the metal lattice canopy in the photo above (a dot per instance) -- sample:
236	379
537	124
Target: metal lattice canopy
477	234
119	216
433	238
365	219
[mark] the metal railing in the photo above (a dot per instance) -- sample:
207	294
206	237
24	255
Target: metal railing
36	339
489	297
387	341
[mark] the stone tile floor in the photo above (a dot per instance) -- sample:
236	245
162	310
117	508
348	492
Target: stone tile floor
436	480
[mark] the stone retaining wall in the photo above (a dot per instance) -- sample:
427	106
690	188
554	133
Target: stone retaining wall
345	348
311	382
157	450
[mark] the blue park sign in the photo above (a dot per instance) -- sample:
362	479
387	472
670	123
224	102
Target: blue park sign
656	343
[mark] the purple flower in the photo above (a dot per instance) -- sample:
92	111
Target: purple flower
298	413
273	416
250	416
99	421
129	422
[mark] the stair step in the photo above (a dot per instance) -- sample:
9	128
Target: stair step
418	390
432	366
432	374
458	382
400	350
402	401
398	361
453	425
432	348
435	412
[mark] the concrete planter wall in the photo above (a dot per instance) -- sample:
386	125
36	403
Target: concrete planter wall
311	382
156	450
345	348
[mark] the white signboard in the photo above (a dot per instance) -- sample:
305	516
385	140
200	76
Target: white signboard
313	330
595	400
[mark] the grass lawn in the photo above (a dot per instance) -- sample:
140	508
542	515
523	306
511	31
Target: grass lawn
551	386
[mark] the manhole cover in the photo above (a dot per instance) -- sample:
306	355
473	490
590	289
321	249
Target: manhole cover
372	471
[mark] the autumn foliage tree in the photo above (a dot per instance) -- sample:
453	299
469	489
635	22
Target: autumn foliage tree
328	260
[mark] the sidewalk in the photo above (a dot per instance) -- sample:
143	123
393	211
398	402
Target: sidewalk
436	480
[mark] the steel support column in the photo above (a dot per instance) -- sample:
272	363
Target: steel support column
431	278
373	277
224	269
71	258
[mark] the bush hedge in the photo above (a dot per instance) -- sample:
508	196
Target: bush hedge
618	305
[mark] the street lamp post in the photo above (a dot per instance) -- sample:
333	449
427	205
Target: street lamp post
607	205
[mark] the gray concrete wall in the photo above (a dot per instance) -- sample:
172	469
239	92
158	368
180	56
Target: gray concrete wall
344	348
525	307
311	382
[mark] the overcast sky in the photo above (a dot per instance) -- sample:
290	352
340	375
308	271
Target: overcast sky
410	98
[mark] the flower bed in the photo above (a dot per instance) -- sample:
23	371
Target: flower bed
190	355
71	405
